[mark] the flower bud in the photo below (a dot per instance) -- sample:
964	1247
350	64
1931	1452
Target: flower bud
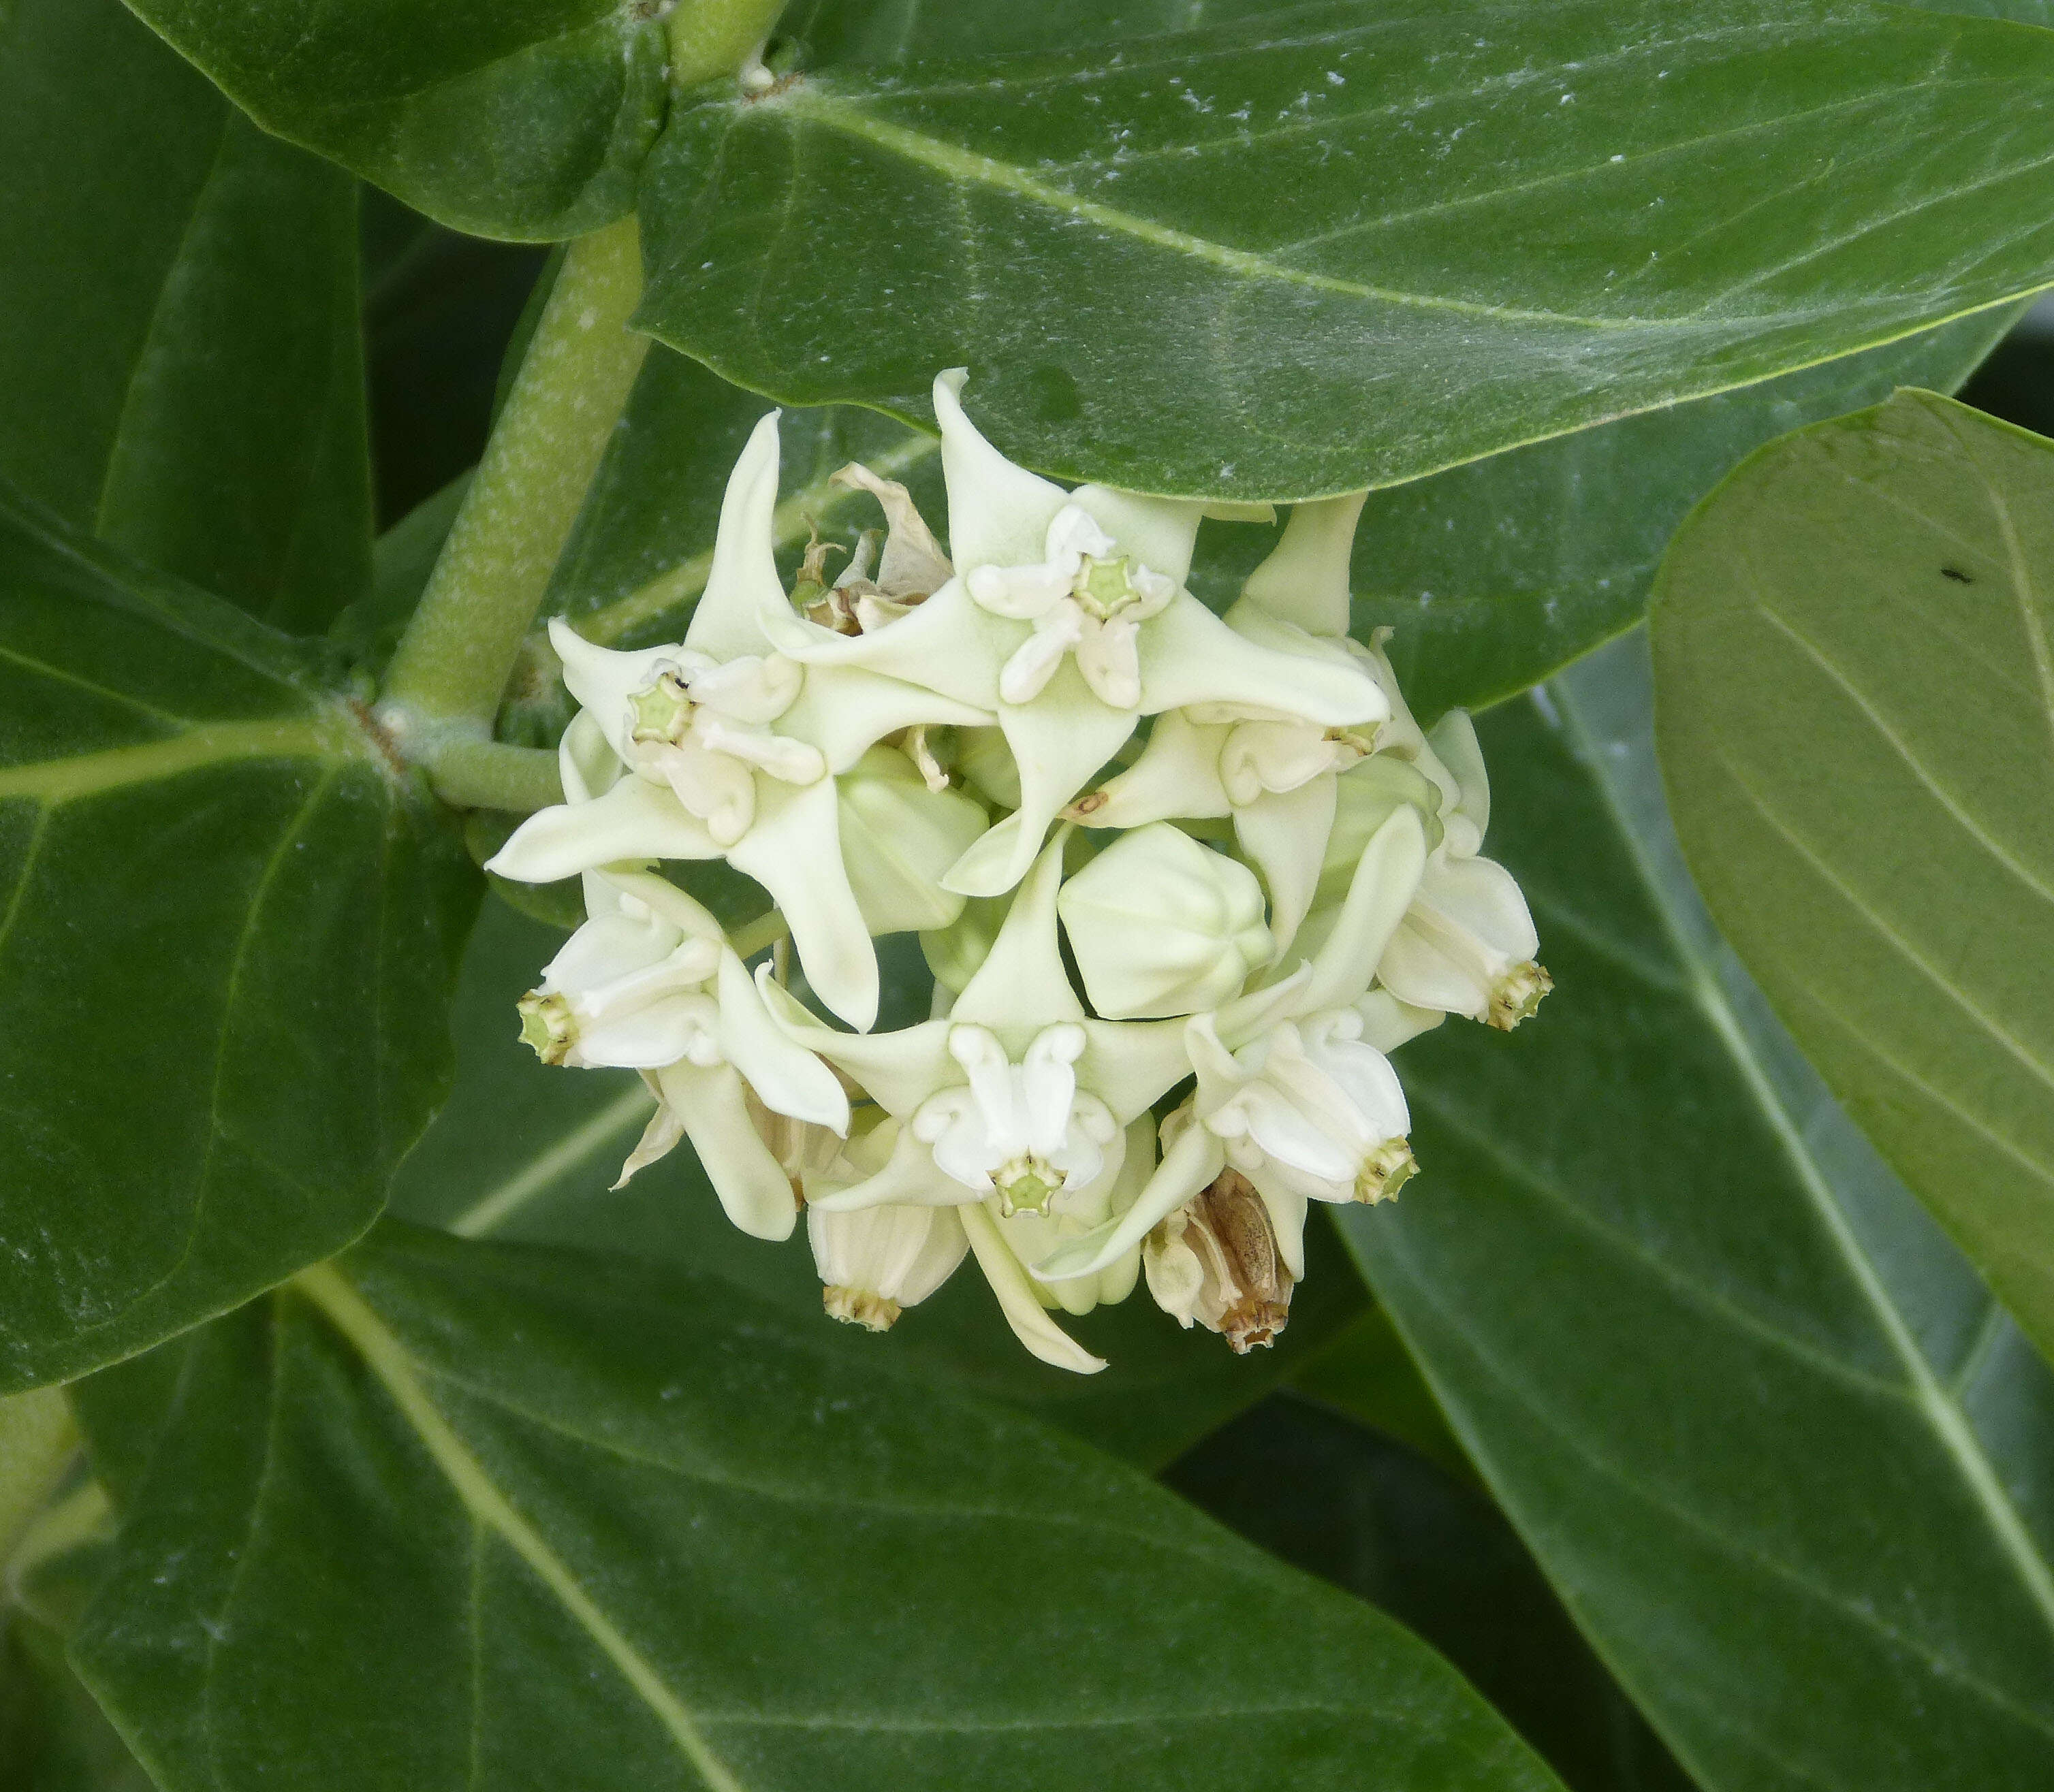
1215	1261
1161	925
898	837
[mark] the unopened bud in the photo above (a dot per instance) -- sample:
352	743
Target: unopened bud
899	835
1162	925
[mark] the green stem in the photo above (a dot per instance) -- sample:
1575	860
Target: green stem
468	773
39	1438
765	930
711	38
458	650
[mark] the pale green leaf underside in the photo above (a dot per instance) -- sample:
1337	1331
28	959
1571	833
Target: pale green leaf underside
570	1500
1342	245
1858	729
1776	1443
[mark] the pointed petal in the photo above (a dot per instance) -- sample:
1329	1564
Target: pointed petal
998	513
845	711
1158	532
662	896
1022	982
1286	836
787	1078
948	644
1387	877
1018	1300
794	851
897	1070
1177	775
586	760
1130	1065
602	680
909	1177
1188	655
1246	1016
751	1184
1481	898
743	582
1192	1161
635	819
1388	1022
1305	579
1454	740
1058	741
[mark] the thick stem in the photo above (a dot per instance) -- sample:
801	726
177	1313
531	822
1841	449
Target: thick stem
710	38
460	649
468	773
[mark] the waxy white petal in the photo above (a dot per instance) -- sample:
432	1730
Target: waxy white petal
998	513
794	851
1177	776
1017	1300
633	820
743	579
1022	987
1305	579
786	1077
1286	836
1191	1160
753	1189
1190	656
1158	532
1387	877
898	1070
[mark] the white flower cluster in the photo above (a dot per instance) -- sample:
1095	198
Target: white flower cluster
1266	875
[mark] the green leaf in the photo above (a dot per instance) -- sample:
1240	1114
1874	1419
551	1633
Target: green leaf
225	943
180	354
1349	246
1857	727
527	1151
1368	1515
53	1737
524	119
450	1513
1493	576
1367	1373
1777	1444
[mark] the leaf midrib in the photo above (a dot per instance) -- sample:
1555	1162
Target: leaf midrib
1930	1396
52	783
388	1360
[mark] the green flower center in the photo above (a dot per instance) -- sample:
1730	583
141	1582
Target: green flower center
1027	1185
661	712
547	1028
1104	588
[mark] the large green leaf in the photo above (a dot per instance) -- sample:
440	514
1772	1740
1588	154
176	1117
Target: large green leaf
1336	1500
1780	1451
1355	243
526	1152
1493	576
1858	728
181	363
226	945
453	1513
508	118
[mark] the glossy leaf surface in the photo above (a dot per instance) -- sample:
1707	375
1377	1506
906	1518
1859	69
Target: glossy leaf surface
507	1502
1337	1499
524	120
1779	1449
526	1152
181	362
226	945
1857	729
1350	245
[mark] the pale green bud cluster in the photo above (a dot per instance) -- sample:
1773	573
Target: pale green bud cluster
1183	881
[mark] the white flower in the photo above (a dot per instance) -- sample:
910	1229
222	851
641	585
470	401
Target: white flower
734	749
1271	767
1160	925
1068	620
1017	1103
1467	944
876	1262
650	983
1289	1093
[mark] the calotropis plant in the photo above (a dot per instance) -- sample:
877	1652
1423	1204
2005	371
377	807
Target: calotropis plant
1057	729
